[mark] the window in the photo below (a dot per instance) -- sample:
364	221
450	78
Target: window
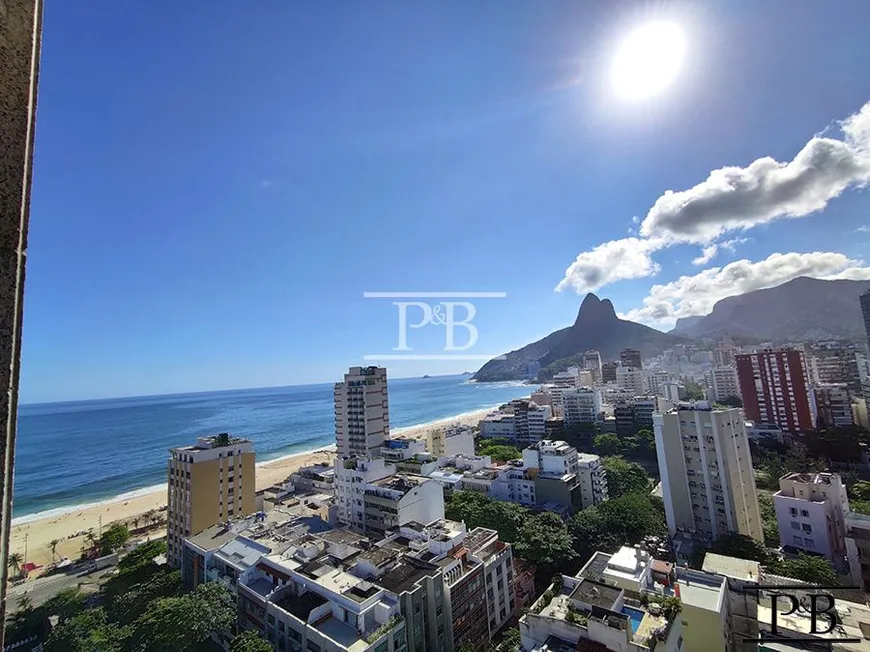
795	525
798	541
809	543
804	512
807	528
792	511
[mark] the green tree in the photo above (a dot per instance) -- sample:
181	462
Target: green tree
625	477
741	546
89	631
66	604
125	606
53	547
768	520
177	623
608	444
860	491
807	568
732	401
621	521
114	538
498	449
545	541
860	506
250	641
14	562
645	441
510	641
476	509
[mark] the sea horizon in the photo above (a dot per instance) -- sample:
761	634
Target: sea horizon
97	435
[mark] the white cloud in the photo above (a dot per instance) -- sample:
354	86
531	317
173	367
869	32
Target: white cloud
734	199
863	229
265	183
612	261
696	295
740	198
707	254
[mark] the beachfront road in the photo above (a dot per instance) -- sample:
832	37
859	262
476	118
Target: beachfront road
43	588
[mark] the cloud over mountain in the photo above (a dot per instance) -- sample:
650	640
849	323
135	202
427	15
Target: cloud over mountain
733	199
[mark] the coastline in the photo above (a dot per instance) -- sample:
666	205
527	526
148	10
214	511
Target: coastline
36	531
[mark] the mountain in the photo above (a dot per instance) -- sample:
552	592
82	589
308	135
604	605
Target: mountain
802	309
596	327
684	324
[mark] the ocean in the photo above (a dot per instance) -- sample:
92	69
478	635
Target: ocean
82	452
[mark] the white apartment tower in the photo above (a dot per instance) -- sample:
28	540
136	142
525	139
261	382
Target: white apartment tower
631	379
581	405
724	383
362	411
811	514
708	484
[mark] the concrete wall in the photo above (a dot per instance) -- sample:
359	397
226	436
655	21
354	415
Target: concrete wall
20	40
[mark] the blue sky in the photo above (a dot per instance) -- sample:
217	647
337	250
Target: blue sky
217	183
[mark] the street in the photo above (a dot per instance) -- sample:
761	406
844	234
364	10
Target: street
42	589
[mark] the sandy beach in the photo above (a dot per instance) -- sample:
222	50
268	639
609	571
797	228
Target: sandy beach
63	527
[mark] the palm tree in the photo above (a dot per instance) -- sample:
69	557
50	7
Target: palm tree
15	561
53	545
136	521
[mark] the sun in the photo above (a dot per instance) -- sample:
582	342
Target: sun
648	60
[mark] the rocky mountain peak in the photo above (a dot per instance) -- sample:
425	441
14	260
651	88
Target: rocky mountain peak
594	312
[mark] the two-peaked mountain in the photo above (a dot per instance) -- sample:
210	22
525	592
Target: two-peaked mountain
596	327
801	309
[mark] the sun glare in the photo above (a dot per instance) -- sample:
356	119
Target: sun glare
648	60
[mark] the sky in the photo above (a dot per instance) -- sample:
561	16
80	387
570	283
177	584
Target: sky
217	184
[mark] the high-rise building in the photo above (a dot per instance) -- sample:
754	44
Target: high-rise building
608	372
582	405
656	381
724	383
362	411
592	363
529	420
831	406
775	389
836	365
810	512
858	548
865	312
631	358
210	482
631	379
708	484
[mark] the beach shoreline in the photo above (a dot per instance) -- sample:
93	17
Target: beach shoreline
35	532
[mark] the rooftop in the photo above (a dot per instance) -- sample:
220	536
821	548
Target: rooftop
406	575
740	569
300	605
595	593
810	478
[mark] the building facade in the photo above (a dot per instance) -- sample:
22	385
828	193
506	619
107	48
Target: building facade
831	406
578	406
631	379
724	383
810	512
631	358
708	484
775	389
608	372
362	411
210	482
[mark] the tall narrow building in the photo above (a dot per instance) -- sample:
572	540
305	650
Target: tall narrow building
210	482
775	389
865	312
708	484
631	358
362	411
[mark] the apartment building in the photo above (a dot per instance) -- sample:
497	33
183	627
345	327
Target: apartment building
529	421
352	476
811	514
542	396
450	441
774	387
723	383
362	412
858	548
580	405
591	480
399	499
831	406
827	364
643	408
656	381
499	425
566	379
208	483
708	484
631	358
608	372
631	379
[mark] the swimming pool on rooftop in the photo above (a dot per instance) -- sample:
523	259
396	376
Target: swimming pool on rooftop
635	616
